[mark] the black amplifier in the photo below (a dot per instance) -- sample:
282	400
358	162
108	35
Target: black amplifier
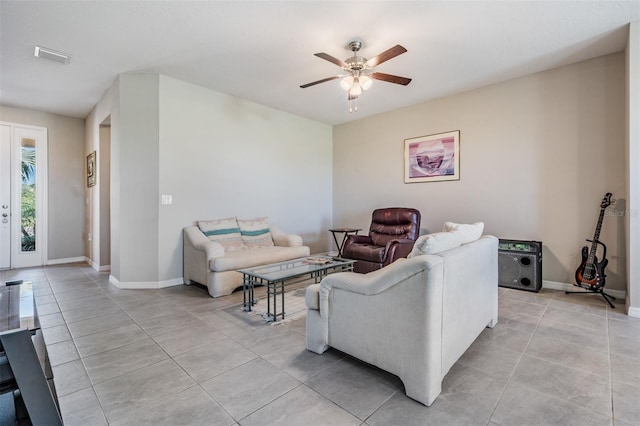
520	264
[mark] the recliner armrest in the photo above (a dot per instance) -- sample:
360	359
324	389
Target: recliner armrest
358	239
396	249
400	241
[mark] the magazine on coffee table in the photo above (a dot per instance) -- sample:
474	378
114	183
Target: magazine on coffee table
317	260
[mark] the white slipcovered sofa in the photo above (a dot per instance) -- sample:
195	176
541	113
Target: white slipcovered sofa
213	262
413	318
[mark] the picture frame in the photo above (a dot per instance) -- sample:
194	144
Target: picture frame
432	158
91	169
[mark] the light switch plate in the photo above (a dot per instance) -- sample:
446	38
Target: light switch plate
166	199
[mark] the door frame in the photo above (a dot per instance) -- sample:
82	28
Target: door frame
39	257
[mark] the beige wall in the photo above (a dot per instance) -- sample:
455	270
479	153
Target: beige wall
135	134
217	156
66	178
537	154
222	156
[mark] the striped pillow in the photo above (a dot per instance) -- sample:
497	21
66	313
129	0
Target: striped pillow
223	231
255	232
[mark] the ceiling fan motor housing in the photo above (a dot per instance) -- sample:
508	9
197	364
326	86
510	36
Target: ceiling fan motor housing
356	63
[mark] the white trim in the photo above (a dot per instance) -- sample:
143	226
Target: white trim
95	266
5	194
20	259
145	285
79	259
633	312
555	285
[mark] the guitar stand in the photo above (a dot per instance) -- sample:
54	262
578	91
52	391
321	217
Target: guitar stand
600	291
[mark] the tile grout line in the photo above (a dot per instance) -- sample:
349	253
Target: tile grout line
546	307
613	411
91	386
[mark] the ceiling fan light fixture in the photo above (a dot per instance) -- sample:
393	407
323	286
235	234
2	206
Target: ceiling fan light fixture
347	82
365	81
356	89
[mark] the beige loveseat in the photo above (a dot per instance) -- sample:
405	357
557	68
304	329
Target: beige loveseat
413	318
214	263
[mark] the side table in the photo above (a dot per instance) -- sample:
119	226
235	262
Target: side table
345	232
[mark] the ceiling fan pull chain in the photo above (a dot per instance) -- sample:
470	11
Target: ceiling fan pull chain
353	105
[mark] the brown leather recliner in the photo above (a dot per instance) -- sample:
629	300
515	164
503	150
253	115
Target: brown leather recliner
392	233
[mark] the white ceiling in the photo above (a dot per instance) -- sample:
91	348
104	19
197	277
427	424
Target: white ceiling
263	51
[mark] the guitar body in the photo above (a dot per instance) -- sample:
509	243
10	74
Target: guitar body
590	275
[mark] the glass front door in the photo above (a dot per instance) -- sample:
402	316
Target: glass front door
23	196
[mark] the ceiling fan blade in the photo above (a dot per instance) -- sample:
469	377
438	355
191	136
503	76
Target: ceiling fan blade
386	55
331	59
304	86
391	78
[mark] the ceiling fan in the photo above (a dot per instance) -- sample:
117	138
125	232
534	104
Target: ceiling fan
359	71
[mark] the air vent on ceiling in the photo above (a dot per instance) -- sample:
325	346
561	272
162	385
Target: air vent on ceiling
52	55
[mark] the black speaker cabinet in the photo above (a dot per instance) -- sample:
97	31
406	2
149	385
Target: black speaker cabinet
520	264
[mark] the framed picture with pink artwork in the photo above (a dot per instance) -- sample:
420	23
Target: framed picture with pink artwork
432	158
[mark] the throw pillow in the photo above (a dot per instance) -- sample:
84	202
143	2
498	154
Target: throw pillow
435	243
223	231
255	232
468	232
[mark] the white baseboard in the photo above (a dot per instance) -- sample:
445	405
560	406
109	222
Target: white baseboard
95	266
145	285
80	259
633	312
556	285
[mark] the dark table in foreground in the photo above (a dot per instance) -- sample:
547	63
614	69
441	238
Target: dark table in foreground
24	364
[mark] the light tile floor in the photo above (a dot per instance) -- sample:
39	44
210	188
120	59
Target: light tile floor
178	357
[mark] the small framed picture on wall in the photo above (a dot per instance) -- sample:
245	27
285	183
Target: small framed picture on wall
432	158
91	169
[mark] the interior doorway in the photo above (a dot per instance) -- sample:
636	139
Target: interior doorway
23	195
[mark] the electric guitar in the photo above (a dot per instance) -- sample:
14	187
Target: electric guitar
590	274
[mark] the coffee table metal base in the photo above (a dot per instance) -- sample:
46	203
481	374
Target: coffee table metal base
276	287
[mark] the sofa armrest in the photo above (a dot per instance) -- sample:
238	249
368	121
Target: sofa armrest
378	281
312	297
375	282
200	242
284	240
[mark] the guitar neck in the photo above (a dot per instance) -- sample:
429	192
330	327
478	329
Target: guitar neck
596	236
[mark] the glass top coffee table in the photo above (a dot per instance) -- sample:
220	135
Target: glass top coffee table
278	275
